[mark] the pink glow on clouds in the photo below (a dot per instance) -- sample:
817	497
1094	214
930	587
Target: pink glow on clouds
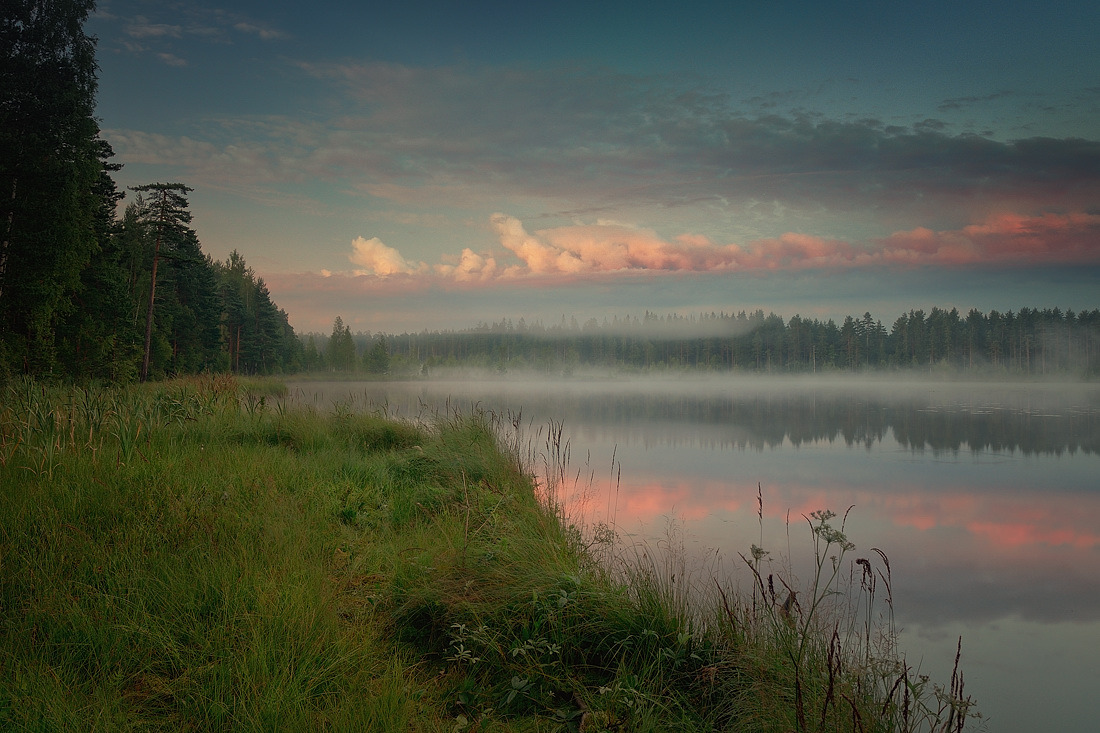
1008	237
601	248
565	256
568	252
471	267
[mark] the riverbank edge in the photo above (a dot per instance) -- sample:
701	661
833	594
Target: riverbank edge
197	555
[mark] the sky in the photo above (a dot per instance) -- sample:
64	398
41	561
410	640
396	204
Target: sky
434	165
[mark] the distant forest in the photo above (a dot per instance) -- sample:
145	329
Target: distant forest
1027	342
85	294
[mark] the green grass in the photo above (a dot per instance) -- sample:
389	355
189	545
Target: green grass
198	555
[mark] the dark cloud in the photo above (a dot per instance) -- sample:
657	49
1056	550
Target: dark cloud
583	140
610	135
957	103
927	125
169	22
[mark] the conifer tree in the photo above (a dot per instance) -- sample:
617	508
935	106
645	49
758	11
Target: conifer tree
168	216
341	347
52	164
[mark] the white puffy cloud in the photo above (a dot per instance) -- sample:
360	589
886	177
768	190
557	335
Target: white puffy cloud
375	258
471	267
538	256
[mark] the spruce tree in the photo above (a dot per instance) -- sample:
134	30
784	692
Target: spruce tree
52	164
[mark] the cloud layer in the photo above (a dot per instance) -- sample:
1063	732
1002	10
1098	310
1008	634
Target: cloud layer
600	248
141	35
582	142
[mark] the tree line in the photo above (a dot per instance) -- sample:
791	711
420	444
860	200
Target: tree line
85	293
1028	342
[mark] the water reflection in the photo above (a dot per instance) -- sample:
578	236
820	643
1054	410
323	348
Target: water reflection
743	417
986	498
961	554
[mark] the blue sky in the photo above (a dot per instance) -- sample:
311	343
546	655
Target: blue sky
438	164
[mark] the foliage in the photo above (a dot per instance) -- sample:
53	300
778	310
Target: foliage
53	176
97	338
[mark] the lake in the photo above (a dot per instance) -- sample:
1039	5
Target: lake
985	498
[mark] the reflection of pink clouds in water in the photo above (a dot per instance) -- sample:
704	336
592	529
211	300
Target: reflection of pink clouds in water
1015	535
646	504
997	521
958	553
657	500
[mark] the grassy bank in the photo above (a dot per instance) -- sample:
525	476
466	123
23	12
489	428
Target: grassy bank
197	556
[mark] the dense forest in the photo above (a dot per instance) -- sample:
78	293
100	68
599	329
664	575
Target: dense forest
1027	342
84	292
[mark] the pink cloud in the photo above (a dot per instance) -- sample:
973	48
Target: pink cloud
537	255
1005	238
471	267
603	248
559	255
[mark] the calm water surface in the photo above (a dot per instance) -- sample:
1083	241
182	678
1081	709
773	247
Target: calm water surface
986	498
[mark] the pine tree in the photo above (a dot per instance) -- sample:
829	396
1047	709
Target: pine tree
377	358
341	347
257	333
167	216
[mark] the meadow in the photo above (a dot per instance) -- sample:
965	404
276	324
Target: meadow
200	555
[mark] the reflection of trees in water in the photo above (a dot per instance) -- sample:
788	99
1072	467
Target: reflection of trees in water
767	421
770	419
1030	431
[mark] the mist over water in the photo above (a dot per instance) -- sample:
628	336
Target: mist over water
985	497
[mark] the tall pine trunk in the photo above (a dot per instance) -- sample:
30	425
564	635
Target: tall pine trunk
149	313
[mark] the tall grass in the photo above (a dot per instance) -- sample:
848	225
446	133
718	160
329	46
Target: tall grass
168	563
204	555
